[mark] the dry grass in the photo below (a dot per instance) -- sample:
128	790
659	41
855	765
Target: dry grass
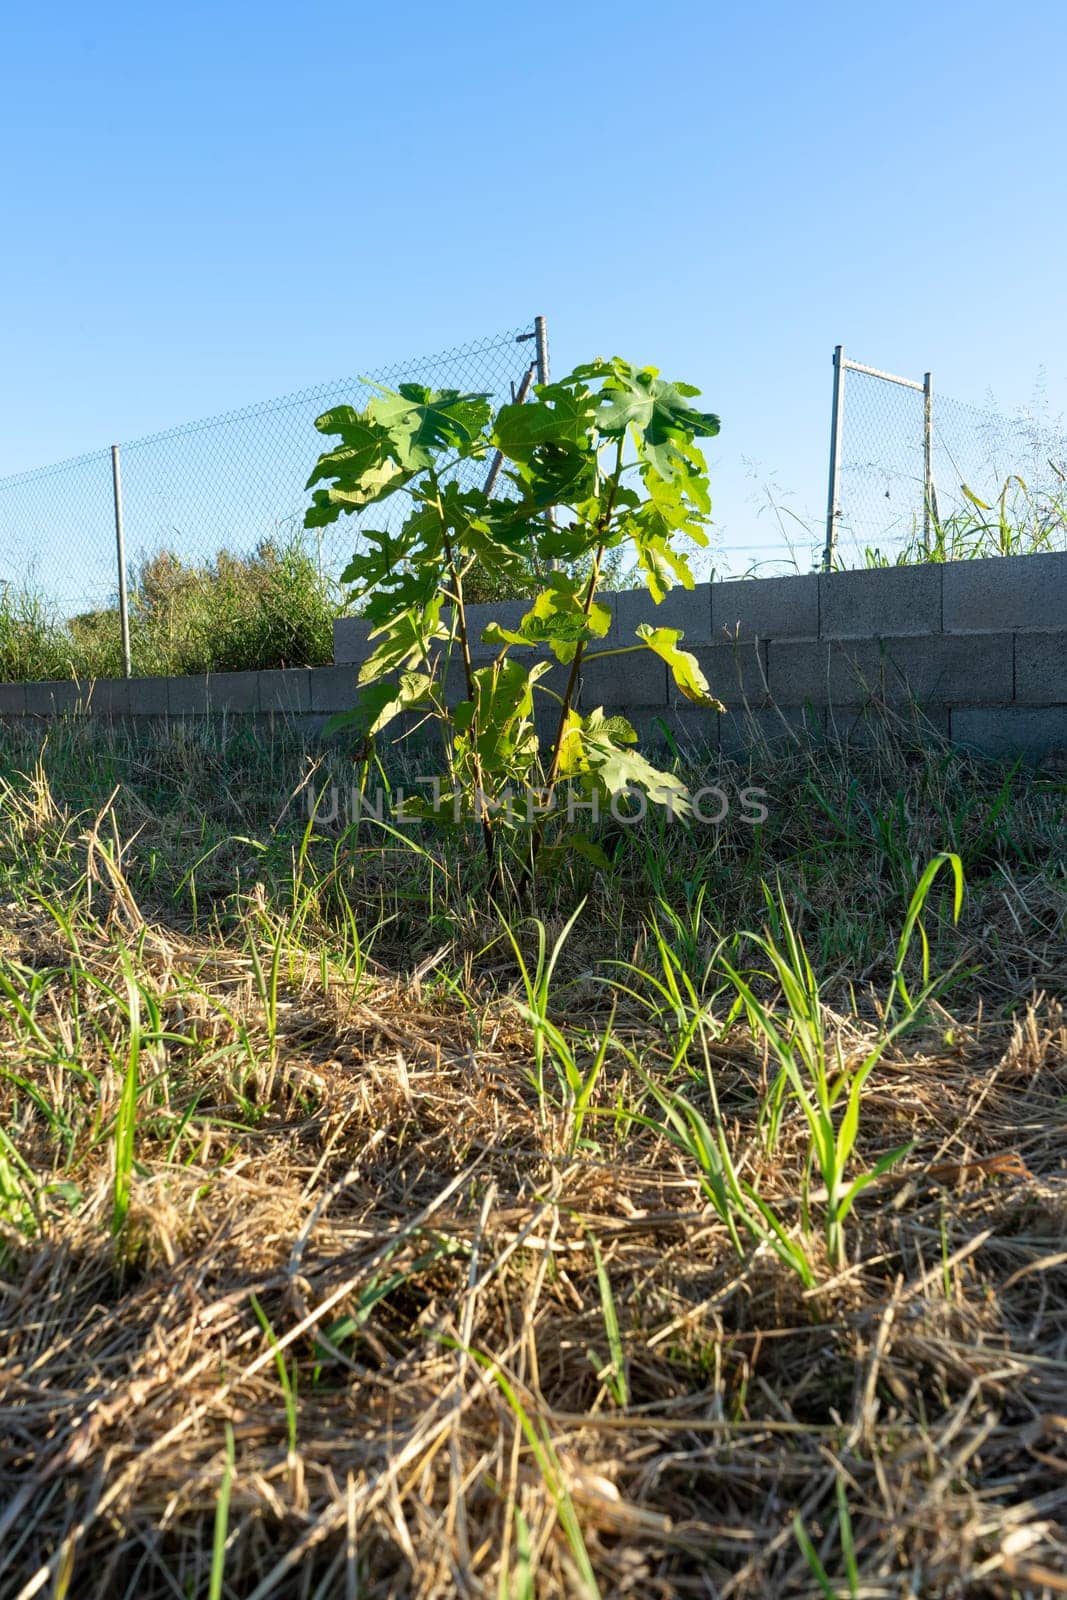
442	1406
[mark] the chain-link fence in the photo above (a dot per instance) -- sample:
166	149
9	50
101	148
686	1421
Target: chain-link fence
224	484
57	533
917	475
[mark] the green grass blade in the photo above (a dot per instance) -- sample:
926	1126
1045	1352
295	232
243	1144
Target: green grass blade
222	1523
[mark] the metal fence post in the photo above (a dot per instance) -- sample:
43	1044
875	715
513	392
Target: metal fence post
541	363
837	418
541	348
518	398
120	552
928	471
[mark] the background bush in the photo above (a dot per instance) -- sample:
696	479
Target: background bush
236	613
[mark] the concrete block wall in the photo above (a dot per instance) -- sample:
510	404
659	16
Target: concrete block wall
286	693
978	647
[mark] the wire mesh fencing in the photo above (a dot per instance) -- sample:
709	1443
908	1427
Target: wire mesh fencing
226	484
1001	480
57	533
917	475
881	477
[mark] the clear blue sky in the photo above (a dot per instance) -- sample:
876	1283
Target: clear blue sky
208	205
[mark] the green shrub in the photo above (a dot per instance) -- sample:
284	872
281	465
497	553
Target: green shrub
271	609
236	613
32	641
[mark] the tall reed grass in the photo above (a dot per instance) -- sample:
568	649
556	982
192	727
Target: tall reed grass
235	613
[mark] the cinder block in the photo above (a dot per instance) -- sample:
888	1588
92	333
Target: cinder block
927	669
147	697
638	678
1020	592
313	726
767	608
187	697
799	671
863	726
508	613
1011	730
747	731
878	602
412	733
56	699
455	679
693	730
233	691
285	689
546	721
951	670
151	731
551	683
736	672
1041	668
350	636
108	697
688	609
12	699
334	688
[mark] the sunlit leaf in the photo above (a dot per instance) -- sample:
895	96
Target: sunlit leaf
685	668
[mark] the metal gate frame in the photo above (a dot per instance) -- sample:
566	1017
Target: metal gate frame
837	422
